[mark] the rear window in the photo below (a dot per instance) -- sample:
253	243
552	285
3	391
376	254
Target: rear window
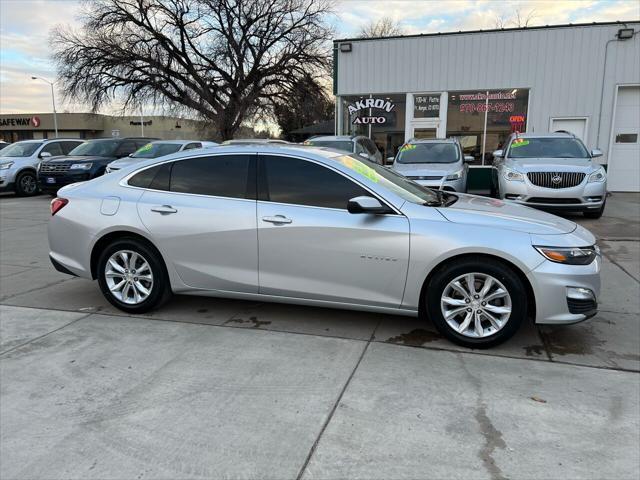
428	153
344	146
547	148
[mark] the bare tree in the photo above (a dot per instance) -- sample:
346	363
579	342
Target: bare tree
308	104
518	19
224	59
385	27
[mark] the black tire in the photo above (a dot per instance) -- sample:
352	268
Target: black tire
497	269
160	291
26	184
597	214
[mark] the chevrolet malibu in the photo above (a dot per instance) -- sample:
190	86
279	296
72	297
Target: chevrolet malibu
314	226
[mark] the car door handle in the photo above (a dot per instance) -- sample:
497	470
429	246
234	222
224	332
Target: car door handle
164	209
277	219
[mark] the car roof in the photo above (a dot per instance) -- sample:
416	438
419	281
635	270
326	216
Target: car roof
151	139
238	141
177	142
329	138
432	140
544	135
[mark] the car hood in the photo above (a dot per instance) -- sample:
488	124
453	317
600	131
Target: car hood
551	164
79	159
126	161
426	169
491	212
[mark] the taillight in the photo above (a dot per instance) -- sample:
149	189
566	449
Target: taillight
57	204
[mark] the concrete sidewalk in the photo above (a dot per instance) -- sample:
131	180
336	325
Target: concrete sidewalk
209	388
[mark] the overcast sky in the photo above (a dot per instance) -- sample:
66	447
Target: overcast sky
25	25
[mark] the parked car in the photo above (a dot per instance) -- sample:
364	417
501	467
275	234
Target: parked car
3	144
253	141
358	144
332	230
157	149
434	163
552	171
19	162
86	161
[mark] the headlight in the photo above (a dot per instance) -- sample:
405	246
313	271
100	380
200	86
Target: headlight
598	176
570	255
512	175
455	175
80	166
6	166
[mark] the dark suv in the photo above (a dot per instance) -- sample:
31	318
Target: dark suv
86	161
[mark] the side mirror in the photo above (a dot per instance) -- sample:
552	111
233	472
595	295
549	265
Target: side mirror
498	153
365	204
364	155
130	155
468	159
596	152
45	155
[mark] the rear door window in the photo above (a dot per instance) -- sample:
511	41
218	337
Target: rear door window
220	176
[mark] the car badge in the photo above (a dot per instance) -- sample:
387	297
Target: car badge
556	179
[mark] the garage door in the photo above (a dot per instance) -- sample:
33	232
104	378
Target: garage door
624	163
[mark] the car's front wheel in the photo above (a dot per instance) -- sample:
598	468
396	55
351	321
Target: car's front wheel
476	303
26	184
132	276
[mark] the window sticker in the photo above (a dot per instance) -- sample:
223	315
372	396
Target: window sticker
145	148
359	167
407	147
519	143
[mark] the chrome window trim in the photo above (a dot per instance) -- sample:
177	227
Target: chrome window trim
124	181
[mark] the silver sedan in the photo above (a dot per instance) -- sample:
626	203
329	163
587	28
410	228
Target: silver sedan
313	226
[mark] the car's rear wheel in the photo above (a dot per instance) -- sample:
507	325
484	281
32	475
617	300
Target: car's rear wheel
132	276
26	184
476	303
597	213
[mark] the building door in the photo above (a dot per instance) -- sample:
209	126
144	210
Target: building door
577	126
424	133
624	158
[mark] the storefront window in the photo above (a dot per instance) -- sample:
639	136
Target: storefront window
379	117
502	111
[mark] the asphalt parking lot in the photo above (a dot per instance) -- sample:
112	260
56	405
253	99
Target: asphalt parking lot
209	388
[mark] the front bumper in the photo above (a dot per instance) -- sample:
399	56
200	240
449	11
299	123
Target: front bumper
7	179
51	182
562	291
584	197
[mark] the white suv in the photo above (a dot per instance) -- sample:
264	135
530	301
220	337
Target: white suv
553	171
19	162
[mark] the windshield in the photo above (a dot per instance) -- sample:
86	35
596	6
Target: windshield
345	146
547	148
102	148
387	178
428	153
155	150
20	149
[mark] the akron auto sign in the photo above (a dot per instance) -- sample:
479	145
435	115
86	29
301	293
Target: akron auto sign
20	122
368	117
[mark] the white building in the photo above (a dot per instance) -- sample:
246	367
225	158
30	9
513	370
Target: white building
481	86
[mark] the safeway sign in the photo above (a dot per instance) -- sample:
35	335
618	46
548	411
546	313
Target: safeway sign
367	106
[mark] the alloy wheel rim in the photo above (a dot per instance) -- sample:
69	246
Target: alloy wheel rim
129	277
28	184
476	305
